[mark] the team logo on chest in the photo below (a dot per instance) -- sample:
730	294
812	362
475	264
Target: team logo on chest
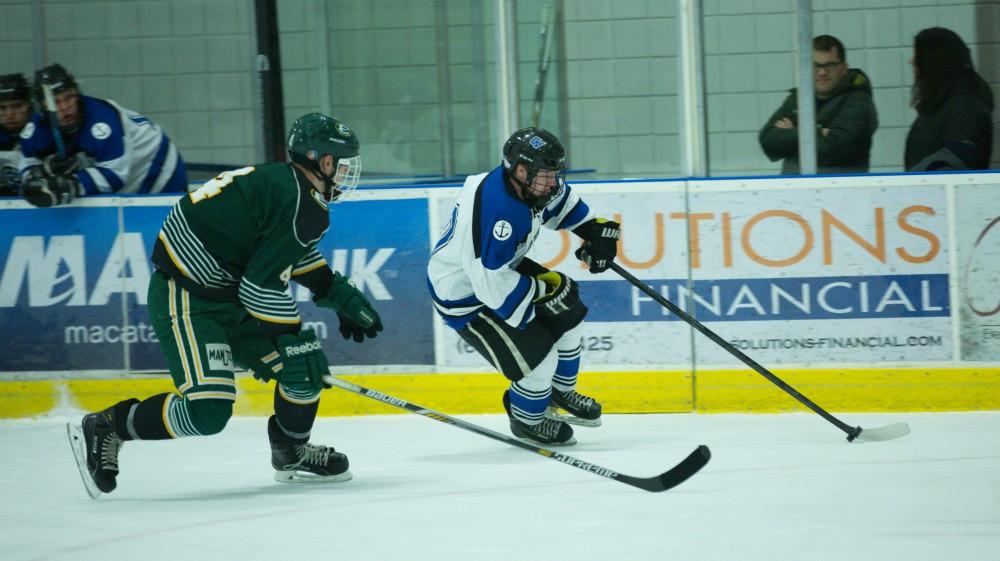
502	230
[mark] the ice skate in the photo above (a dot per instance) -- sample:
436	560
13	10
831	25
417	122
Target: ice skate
583	411
550	431
95	447
305	462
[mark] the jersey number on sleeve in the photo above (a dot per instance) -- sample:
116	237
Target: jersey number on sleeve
214	186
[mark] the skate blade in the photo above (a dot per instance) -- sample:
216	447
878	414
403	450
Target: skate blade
570	442
554	414
74	431
293	476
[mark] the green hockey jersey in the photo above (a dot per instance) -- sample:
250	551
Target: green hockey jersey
243	235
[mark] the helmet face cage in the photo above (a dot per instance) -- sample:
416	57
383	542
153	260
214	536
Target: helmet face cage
538	150
543	185
345	177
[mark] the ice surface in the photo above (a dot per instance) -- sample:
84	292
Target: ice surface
779	487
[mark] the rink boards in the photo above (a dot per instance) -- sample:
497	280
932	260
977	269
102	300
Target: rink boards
866	293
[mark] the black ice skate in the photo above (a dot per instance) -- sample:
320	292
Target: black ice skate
305	462
583	410
549	431
95	446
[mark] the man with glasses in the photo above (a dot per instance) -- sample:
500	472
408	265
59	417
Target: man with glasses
845	116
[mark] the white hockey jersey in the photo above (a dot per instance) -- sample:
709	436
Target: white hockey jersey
490	232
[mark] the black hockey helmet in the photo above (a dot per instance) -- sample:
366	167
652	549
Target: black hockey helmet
56	77
315	135
14	87
538	150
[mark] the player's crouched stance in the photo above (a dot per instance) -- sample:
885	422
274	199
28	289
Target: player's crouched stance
219	297
521	317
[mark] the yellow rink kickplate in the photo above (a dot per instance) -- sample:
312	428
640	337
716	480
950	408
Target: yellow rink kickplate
713	391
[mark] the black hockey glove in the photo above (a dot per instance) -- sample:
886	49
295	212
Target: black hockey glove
44	191
351	304
64	165
559	307
302	360
600	246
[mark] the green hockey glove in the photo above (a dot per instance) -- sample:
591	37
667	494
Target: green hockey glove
303	363
350	303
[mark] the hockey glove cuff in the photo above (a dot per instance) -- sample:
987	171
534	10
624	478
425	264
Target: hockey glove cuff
559	307
600	246
303	363
559	294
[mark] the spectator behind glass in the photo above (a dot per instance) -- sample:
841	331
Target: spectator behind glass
845	116
954	126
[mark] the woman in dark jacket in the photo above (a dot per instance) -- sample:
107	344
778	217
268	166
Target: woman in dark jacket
954	126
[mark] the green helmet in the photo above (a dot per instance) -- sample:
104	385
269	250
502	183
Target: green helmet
315	135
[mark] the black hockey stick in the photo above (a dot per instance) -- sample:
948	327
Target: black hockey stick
666	480
545	42
888	432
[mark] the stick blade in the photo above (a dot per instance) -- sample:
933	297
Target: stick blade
888	432
673	476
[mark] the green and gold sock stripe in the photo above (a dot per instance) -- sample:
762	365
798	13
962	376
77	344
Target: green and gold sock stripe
177	418
298	397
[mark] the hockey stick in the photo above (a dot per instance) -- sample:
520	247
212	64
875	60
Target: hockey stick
666	480
888	432
53	115
543	64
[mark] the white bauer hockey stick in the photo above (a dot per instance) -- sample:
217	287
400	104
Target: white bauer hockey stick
666	480
888	432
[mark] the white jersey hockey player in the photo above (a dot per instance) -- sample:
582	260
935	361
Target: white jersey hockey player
521	317
96	147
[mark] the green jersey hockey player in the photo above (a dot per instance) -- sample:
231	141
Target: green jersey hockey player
219	298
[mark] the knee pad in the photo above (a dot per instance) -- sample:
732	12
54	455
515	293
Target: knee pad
570	340
209	416
540	377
